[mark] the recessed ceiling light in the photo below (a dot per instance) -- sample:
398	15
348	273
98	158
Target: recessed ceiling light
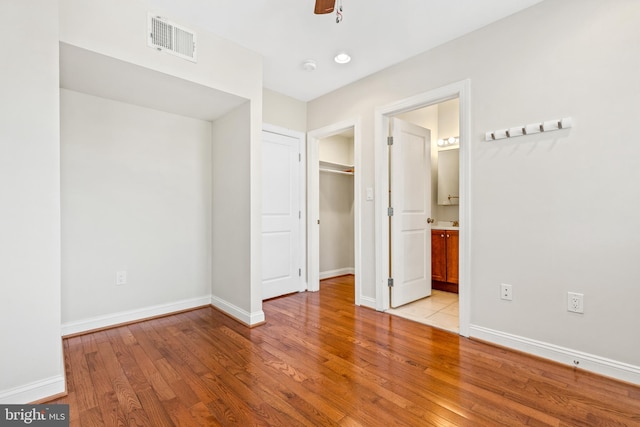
309	65
342	58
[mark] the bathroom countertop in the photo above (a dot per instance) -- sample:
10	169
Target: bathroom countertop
444	225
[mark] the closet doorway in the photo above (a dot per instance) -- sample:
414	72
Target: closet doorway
336	235
333	204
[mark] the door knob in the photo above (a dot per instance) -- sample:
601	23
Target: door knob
430	220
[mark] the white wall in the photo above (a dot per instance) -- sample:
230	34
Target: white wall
284	111
449	118
31	364
336	149
231	279
136	196
117	28
550	213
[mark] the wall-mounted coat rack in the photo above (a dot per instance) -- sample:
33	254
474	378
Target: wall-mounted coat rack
529	129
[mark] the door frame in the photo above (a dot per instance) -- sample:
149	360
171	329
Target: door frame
382	115
302	247
313	201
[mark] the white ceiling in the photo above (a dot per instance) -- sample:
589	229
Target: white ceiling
106	77
376	33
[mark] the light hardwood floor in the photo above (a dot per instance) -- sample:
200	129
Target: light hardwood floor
321	361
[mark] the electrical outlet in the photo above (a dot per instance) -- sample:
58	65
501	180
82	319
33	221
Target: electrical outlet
575	302
506	292
121	277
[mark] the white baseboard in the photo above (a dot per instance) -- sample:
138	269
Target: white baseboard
368	302
335	273
249	319
105	321
34	391
588	362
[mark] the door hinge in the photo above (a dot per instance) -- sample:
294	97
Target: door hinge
389	140
390	282
300	272
299	214
389	211
299	157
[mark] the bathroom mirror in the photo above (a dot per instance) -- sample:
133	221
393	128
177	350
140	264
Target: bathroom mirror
448	177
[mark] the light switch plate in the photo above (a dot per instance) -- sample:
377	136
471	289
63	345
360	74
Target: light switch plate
369	194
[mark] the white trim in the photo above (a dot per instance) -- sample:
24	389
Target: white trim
368	302
313	213
462	90
108	320
34	391
313	209
302	247
588	362
236	312
335	273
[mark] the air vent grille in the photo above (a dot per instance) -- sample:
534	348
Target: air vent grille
166	36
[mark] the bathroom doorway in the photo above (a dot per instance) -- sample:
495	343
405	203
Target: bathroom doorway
384	268
441	307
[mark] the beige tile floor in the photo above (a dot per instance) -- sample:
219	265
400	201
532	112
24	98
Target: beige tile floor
439	310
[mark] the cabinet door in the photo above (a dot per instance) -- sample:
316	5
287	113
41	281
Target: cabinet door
438	256
452	256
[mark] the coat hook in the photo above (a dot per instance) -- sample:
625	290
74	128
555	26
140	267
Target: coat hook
550	125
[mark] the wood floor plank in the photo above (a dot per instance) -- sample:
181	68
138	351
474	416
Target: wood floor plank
221	396
81	384
179	414
152	374
103	388
153	408
322	361
92	418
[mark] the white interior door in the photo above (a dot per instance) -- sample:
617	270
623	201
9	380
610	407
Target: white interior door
281	212
410	198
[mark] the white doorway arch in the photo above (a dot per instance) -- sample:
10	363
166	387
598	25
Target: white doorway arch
313	208
382	115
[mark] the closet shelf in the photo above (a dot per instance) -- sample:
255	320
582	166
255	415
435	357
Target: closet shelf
339	168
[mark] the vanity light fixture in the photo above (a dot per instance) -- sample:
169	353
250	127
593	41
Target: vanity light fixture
452	140
342	58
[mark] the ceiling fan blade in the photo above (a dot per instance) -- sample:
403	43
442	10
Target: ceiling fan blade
324	6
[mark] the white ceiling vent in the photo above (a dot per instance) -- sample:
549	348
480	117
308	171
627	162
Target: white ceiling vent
171	38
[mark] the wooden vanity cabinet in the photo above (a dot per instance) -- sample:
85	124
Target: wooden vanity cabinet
438	255
444	260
